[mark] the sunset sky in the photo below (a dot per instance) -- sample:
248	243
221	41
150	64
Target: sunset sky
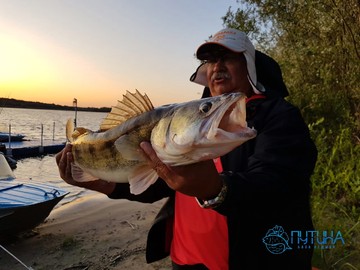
95	50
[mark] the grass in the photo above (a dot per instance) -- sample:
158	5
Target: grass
336	196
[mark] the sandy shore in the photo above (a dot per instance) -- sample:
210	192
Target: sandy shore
91	233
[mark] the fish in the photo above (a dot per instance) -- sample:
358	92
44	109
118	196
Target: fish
276	240
180	133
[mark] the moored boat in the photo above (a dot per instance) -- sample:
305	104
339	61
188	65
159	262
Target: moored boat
16	137
24	204
12	162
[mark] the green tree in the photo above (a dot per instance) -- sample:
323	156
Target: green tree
317	44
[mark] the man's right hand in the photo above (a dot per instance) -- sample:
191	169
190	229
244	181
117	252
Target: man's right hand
64	160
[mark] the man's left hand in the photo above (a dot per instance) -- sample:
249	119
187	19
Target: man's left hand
198	180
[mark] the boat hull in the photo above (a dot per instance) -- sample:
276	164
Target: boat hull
25	204
20	219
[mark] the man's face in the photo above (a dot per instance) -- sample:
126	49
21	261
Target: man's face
227	73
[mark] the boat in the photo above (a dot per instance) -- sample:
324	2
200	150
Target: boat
14	137
12	162
24	204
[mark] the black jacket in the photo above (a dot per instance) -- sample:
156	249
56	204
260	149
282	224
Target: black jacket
270	185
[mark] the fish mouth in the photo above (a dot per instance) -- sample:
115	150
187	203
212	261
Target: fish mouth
233	118
229	121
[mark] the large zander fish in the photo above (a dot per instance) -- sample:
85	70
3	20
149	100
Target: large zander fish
180	134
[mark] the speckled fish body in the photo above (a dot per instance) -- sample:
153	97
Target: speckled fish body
181	134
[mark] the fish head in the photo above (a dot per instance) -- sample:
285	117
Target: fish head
202	129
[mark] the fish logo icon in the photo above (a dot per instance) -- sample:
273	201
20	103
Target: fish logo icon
276	240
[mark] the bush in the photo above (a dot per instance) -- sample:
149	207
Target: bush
336	195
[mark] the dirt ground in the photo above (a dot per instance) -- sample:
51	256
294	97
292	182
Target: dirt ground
91	233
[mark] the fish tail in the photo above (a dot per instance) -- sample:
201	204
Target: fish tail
70	129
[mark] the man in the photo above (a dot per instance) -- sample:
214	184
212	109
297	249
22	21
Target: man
237	212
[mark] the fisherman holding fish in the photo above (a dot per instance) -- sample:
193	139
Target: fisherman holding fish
233	164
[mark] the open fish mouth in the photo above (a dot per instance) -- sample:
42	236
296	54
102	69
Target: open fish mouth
233	118
229	121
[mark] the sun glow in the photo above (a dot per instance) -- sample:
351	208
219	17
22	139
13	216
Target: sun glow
21	66
38	70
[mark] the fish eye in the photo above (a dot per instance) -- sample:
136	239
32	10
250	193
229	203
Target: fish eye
205	107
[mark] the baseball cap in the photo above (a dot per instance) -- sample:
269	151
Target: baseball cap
235	41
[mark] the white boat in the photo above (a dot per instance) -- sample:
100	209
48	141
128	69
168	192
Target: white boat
24	204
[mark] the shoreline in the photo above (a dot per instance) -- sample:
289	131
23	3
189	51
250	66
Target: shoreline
91	232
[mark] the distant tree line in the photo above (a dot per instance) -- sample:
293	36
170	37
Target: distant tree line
15	103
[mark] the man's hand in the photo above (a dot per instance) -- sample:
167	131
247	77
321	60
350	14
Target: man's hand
199	180
64	159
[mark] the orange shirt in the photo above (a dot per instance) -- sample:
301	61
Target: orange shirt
200	235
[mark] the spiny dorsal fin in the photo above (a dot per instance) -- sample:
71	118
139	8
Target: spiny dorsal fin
132	104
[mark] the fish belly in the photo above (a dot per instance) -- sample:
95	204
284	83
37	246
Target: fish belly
120	175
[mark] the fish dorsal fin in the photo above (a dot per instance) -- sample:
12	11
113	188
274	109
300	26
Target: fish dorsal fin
132	104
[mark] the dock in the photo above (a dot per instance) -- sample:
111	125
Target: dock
26	149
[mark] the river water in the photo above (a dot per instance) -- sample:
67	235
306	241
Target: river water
32	123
